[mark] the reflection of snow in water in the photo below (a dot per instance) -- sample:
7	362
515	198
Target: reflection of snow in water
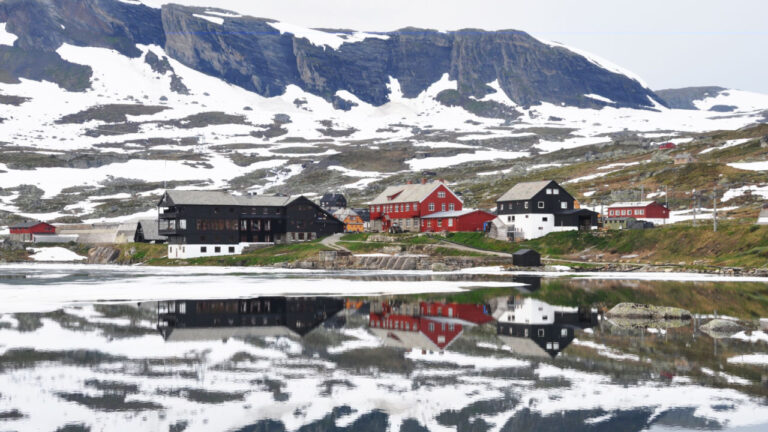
282	379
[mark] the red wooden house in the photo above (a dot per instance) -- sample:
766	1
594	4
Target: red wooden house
645	210
667	146
459	220
405	205
24	231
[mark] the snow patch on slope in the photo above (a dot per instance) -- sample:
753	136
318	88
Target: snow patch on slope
6	38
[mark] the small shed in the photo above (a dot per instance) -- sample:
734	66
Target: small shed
24	231
526	258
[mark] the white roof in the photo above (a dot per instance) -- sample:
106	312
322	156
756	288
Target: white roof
416	192
524	191
632	204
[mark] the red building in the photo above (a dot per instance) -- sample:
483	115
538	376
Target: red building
25	230
667	146
405	205
644	210
459	220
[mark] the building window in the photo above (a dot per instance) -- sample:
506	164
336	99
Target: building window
217	249
526	205
556	345
407	207
564	332
563	204
231	249
549	345
203	249
555	191
501	206
442	207
544	219
431	206
640	212
441	194
610	212
439	223
541	332
549	191
415	207
451	207
541	204
450	222
182	224
431	327
526	332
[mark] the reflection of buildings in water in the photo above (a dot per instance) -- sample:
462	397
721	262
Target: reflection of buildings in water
186	320
534	328
533	282
427	325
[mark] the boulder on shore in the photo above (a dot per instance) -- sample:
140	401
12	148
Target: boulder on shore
637	311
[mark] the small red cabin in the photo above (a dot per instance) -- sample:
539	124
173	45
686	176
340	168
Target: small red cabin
25	230
667	146
638	210
461	220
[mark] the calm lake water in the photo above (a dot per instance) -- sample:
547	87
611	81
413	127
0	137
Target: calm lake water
132	348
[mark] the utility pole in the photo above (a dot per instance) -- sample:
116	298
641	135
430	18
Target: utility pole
714	209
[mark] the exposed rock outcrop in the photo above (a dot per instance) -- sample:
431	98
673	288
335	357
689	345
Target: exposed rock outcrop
253	54
103	255
720	328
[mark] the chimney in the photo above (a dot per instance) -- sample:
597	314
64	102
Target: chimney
441	180
423	181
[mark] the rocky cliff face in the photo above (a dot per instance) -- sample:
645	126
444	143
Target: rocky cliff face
254	54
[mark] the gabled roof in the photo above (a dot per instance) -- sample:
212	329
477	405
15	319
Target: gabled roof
222	198
525	252
632	204
149	229
524	191
27	224
408	193
344	213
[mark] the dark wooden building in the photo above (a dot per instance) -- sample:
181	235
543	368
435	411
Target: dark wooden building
205	223
333	201
526	258
146	232
180	320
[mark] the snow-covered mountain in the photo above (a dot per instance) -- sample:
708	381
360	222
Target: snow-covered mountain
103	103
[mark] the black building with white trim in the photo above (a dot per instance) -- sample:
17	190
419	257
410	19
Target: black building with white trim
210	223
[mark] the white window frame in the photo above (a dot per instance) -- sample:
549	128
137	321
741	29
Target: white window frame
441	194
439	223
526	205
442	207
450	222
564	205
451	207
431	207
540	204
555	191
549	191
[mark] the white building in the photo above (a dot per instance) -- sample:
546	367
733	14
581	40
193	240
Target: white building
535	209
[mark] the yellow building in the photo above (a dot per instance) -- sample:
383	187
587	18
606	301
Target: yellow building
352	221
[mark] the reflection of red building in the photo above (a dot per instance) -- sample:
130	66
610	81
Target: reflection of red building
469	313
667	146
426	326
456	221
